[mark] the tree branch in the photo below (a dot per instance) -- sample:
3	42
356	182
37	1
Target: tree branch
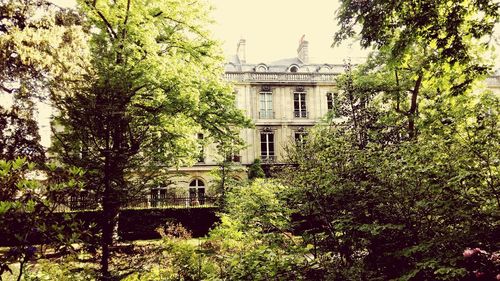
109	28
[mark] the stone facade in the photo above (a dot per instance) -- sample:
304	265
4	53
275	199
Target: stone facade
284	98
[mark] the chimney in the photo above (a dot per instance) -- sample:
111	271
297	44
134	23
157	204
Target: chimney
303	50
240	51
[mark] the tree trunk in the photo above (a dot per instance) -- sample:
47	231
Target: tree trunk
107	219
412	113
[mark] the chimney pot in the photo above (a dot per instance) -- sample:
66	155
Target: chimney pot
303	50
241	52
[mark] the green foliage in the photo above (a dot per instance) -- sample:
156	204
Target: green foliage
449	28
27	207
28	31
253	241
377	204
148	79
424	50
255	170
406	178
227	175
67	269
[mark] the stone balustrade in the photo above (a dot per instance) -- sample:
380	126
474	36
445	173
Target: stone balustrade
279	77
492	81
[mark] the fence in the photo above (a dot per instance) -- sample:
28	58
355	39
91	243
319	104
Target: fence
149	202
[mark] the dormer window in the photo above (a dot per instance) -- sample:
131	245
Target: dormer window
294	68
324	69
261	68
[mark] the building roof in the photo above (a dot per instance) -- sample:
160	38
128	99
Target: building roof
300	64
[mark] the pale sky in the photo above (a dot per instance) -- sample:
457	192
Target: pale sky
272	29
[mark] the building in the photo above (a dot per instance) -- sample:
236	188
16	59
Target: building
284	99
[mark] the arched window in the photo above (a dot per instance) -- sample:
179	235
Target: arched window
197	192
294	68
261	68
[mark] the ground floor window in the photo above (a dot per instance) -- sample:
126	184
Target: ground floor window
197	192
300	137
158	197
267	146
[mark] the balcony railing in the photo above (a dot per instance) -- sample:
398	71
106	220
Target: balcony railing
280	77
148	202
266	115
300	114
268	158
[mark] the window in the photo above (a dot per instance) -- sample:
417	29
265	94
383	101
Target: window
261	68
267	146
233	157
158	197
299	104
329	101
201	155
196	192
300	136
294	68
266	105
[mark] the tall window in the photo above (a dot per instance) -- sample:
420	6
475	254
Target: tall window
299	104
197	192
267	152
266	105
329	101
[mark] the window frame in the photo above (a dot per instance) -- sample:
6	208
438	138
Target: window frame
197	192
266	104
300	103
267	140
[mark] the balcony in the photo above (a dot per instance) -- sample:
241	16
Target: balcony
300	114
266	115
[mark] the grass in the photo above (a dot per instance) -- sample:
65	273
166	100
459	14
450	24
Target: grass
128	258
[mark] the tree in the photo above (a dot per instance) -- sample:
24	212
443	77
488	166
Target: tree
153	80
393	189
435	43
19	136
380	208
28	30
227	175
255	170
379	205
254	239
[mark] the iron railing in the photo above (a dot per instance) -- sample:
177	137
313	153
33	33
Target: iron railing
300	114
264	114
148	202
268	158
